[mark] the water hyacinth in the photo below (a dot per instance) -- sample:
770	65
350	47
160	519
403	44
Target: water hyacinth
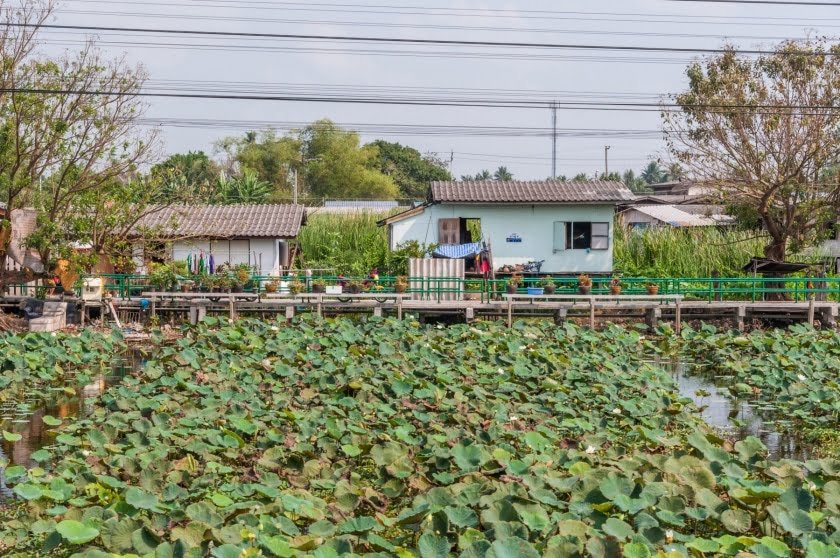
385	438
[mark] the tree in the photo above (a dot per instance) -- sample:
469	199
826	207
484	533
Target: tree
580	177
337	166
653	173
59	143
247	188
188	177
478	177
502	173
762	131
270	158
636	184
408	168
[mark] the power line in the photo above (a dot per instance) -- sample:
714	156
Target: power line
397	40
764	2
566	105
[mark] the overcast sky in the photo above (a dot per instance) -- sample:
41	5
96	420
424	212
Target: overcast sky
318	68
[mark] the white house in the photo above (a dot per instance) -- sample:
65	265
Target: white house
256	234
567	224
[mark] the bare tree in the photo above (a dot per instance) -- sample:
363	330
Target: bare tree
762	132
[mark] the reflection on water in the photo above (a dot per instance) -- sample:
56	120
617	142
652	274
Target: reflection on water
26	418
736	419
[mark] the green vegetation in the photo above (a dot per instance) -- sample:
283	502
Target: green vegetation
34	364
353	245
685	252
384	438
790	374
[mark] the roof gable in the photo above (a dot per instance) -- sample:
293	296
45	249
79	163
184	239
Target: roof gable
543	191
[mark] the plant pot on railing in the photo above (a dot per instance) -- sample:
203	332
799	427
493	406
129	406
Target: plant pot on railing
536	291
271	287
354	288
511	288
652	289
550	289
400	288
319	287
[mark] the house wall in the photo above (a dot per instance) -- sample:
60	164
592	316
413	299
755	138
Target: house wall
533	223
259	252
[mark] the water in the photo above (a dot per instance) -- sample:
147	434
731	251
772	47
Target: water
27	417
736	419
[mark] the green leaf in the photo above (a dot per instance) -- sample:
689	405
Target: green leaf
769	547
141	499
617	528
736	521
358	525
817	549
433	546
28	491
51	421
11	437
797	522
76	532
705	546
636	550
227	551
512	547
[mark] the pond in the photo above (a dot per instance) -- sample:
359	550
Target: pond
735	418
27	417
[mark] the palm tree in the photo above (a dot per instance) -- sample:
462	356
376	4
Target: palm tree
502	173
653	173
675	173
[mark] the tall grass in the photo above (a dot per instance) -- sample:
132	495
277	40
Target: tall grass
684	252
348	244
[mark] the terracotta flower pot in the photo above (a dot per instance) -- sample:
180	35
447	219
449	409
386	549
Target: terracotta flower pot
550	289
584	289
400	287
511	289
653	289
615	291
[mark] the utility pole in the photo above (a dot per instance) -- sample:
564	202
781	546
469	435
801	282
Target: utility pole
553	140
451	161
606	161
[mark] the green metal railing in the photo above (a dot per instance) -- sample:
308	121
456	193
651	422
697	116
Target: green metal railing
437	288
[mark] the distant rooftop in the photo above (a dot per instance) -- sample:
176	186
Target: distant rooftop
544	191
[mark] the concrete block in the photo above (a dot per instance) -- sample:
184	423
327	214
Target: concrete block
46	323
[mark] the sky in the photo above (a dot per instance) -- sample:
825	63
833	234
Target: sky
518	138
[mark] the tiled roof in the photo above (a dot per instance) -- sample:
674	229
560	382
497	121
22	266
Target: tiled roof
225	221
544	191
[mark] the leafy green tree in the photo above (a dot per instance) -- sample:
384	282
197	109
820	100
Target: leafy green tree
478	177
636	184
653	173
271	158
411	170
188	177
247	188
502	173
337	166
581	176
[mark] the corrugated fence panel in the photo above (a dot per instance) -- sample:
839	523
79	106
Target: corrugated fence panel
436	279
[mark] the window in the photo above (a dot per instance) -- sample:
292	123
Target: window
585	236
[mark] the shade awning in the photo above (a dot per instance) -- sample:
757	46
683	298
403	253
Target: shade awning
457	251
765	265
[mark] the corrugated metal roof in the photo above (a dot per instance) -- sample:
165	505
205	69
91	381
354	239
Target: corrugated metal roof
544	191
362	204
676	217
226	221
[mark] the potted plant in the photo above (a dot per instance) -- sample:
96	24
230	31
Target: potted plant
354	287
547	283
187	286
652	288
163	278
319	286
401	285
211	285
271	287
584	284
242	272
296	287
223	283
513	284
615	286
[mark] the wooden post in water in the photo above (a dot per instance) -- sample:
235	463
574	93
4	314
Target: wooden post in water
232	307
678	317
591	312
811	310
